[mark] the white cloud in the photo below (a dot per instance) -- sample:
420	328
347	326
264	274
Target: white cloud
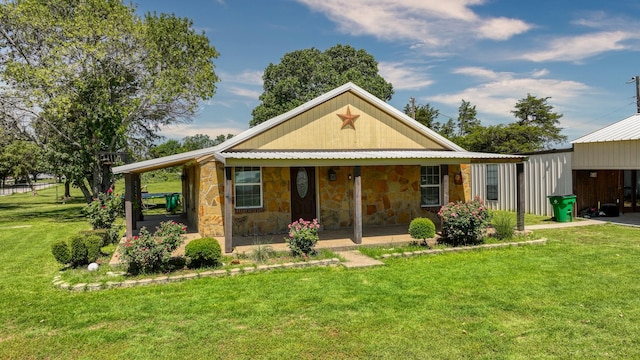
403	76
498	96
431	23
577	48
248	77
502	28
247	93
180	131
482	73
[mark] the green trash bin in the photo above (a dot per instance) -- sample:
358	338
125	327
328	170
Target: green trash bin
562	207
171	201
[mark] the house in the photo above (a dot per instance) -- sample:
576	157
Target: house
546	173
346	158
606	167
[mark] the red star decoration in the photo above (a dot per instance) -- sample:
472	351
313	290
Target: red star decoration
348	119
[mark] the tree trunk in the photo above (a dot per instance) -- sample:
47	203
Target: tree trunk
32	186
88	196
67	189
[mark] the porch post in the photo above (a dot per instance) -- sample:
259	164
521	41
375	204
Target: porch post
357	201
228	211
130	218
445	184
520	196
137	191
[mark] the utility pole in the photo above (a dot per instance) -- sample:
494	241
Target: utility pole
412	100
637	80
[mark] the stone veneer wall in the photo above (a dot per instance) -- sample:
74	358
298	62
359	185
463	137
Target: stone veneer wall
460	192
275	215
211	199
390	195
272	218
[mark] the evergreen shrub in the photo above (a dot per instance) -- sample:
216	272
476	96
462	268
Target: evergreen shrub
203	252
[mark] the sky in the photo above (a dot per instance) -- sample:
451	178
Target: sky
492	53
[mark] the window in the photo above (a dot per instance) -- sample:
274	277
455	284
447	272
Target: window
248	187
492	182
430	185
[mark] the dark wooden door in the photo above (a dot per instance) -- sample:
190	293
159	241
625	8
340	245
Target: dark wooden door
303	193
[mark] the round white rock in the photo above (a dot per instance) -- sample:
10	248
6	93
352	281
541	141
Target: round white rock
92	267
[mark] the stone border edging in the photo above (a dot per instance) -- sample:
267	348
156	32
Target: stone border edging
464	248
57	280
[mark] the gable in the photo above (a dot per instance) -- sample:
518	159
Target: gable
321	128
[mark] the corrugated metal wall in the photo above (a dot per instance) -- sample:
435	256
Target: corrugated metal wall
545	174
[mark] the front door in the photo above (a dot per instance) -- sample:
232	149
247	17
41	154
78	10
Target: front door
303	193
631	190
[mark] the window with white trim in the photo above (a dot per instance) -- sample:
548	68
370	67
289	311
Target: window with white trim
492	182
248	187
430	185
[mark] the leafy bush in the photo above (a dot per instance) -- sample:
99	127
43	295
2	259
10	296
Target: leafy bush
93	243
464	223
148	253
503	223
203	252
303	236
103	211
61	252
79	253
422	229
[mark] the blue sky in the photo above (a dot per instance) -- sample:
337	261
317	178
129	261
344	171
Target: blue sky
489	52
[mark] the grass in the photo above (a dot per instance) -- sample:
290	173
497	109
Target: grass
575	297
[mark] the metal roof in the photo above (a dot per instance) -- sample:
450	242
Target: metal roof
364	155
164	162
627	129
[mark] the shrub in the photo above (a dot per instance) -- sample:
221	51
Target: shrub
103	211
93	243
464	223
503	223
61	252
261	252
422	229
203	252
148	253
79	254
303	236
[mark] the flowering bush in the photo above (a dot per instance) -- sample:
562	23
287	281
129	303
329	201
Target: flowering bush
148	253
464	223
303	236
103	211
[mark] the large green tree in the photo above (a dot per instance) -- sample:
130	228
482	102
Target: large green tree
536	128
85	77
305	74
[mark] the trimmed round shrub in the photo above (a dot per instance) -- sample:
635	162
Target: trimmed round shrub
203	252
79	251
422	229
61	252
94	244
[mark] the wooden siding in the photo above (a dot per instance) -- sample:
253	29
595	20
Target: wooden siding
618	155
598	186
545	174
319	128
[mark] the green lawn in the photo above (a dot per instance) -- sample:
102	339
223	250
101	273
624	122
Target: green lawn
576	297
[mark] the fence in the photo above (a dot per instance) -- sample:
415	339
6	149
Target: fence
22	188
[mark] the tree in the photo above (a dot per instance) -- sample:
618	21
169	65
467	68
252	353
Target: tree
196	142
467	118
24	158
303	75
425	115
535	129
170	147
90	76
536	118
